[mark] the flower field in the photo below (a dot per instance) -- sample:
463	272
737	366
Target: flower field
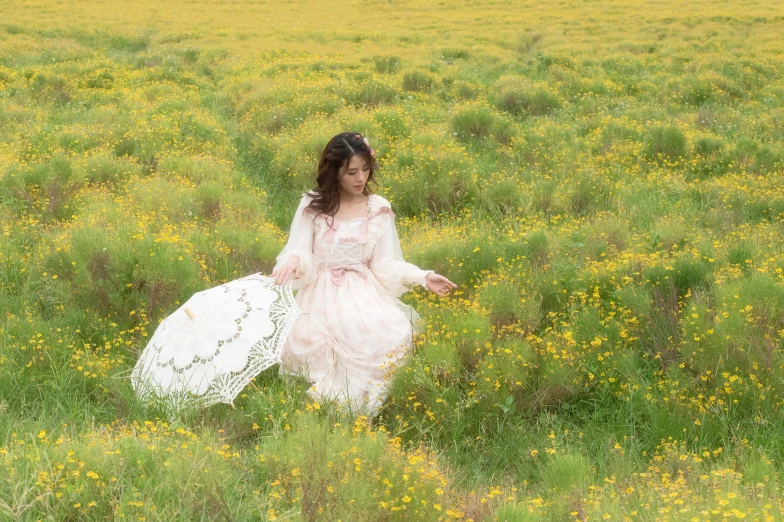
604	180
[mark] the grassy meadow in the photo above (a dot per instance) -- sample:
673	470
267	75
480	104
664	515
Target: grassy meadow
603	179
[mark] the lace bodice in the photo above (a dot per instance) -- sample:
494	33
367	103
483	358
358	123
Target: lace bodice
349	242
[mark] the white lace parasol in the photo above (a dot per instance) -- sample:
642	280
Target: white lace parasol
214	344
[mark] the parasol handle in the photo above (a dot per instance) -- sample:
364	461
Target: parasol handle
189	313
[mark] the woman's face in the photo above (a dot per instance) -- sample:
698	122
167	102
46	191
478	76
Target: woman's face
353	176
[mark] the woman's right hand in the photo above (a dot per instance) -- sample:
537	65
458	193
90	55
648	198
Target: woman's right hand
290	267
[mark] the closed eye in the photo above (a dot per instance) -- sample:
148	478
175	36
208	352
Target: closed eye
352	172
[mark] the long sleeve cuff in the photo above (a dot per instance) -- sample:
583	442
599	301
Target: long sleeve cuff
422	278
307	272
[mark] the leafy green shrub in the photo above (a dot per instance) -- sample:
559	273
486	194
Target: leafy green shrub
695	90
739	328
273	118
555	383
375	92
504	131
504	197
685	273
107	276
464	261
635	298
590	193
189	54
478	123
294	163
98	79
615	135
535	247
466	90
553	283
392	124
567	471
475	334
606	235
442	360
103	466
48	185
741	254
473	123
665	141
51	87
417	81
509	304
516	96
250	251
423	381
450	54
544	197
751	156
503	302
209	201
132	44
194	169
505	380
707	146
386	64
432	176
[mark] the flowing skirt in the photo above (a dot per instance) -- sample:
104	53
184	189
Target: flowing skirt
351	336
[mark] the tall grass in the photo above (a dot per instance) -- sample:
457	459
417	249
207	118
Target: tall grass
605	185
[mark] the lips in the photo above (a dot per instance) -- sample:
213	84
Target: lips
358	186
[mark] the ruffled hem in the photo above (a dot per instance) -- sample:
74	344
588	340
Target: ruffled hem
351	339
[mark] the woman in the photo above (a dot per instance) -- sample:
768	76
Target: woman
344	254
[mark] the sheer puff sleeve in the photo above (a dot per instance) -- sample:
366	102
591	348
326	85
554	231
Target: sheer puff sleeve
387	262
300	244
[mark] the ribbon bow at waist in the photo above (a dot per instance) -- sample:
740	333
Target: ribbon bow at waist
339	271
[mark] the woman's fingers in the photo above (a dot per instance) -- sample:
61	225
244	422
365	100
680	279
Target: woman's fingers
441	285
447	281
285	272
448	285
444	288
283	276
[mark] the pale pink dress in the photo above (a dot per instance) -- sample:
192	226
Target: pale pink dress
353	330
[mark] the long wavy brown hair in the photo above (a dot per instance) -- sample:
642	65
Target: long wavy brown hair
338	152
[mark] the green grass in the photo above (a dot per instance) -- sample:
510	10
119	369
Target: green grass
604	183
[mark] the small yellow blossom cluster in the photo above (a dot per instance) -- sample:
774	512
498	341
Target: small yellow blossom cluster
112	471
355	469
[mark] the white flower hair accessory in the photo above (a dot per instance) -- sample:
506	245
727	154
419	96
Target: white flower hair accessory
367	144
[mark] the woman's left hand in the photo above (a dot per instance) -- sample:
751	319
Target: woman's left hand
439	284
